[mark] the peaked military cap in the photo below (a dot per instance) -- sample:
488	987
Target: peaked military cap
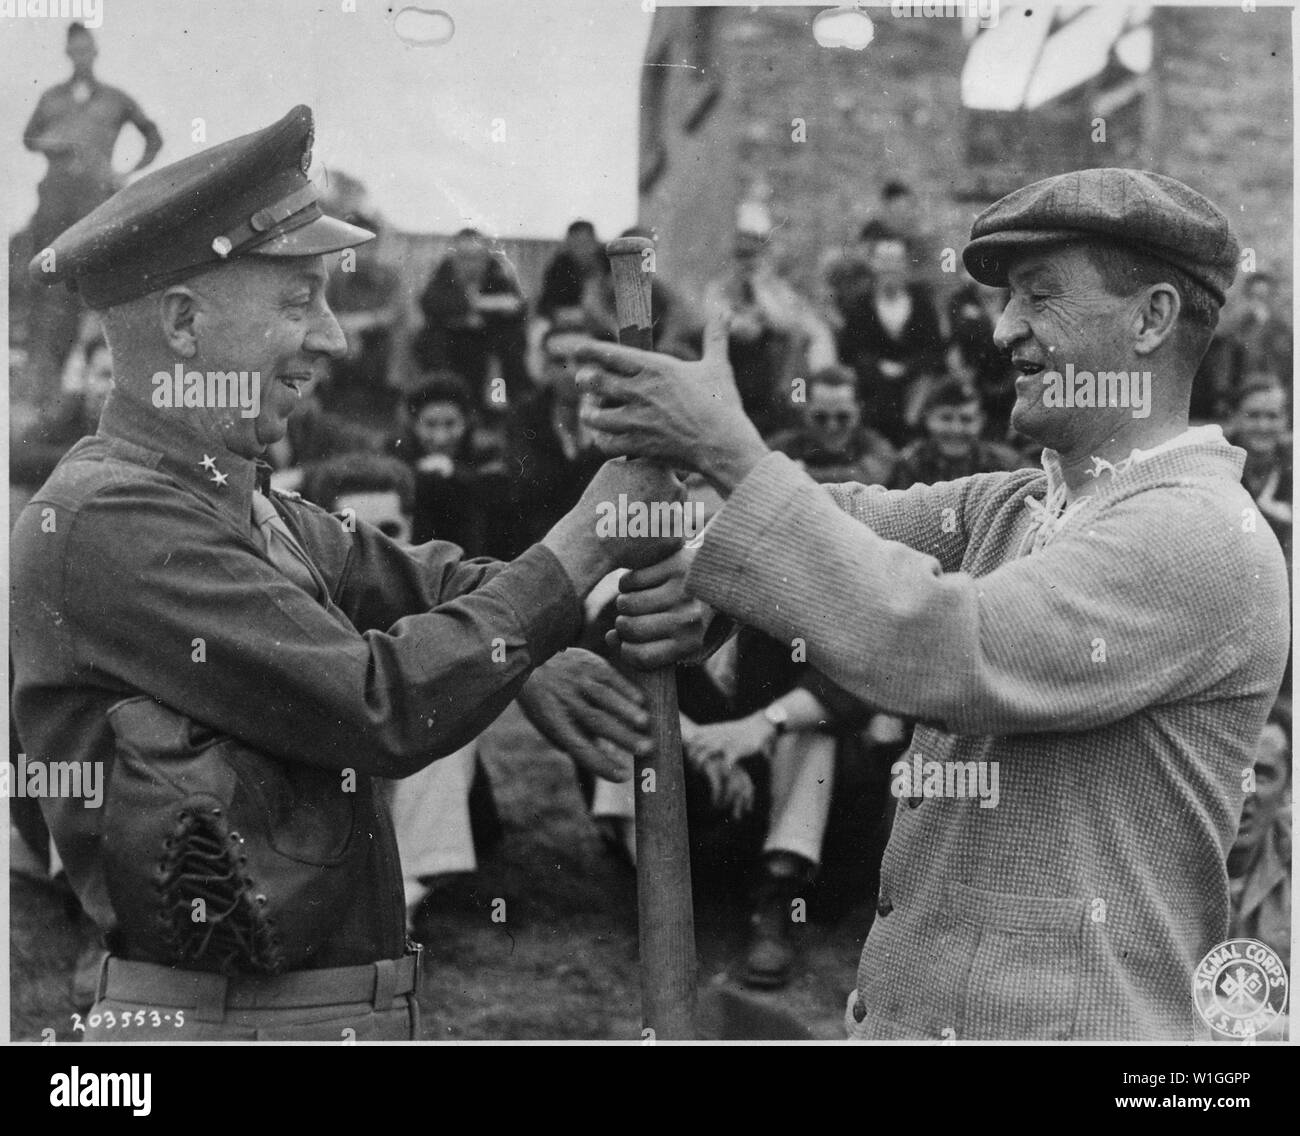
248	196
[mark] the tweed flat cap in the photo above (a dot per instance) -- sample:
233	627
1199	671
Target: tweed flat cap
248	196
1137	209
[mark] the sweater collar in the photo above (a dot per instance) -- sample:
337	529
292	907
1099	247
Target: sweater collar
1209	435
1053	511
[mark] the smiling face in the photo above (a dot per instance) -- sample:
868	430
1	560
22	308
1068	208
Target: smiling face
440	428
1060	312
264	315
1260	421
955	429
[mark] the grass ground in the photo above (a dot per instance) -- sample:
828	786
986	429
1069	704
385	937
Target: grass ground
563	965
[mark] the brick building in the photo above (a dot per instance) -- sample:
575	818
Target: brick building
725	90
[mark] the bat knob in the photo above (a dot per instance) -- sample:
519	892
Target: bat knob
628	246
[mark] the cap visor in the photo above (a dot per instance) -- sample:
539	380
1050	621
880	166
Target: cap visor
987	258
325	234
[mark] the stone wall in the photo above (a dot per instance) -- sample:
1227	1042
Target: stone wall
1219	117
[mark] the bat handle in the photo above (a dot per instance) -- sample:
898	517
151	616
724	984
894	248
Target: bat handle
666	917
631	260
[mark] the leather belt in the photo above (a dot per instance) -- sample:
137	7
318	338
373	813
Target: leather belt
208	996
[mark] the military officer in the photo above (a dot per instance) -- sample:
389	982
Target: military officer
243	663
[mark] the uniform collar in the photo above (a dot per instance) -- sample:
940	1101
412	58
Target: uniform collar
170	444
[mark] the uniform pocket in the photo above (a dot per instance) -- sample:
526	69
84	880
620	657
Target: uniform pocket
1026	971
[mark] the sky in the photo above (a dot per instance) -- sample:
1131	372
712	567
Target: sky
556	82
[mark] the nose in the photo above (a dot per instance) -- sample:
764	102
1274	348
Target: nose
1011	327
326	336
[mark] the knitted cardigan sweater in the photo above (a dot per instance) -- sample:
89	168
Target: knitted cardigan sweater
1119	673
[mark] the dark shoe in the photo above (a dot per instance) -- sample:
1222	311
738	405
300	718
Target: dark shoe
771	951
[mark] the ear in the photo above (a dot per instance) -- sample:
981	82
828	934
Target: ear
1157	315
177	312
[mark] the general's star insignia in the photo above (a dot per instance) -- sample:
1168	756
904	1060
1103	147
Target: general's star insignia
220	478
209	463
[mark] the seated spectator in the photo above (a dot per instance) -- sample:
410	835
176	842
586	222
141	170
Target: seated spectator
549	455
901	214
845	273
1259	865
832	443
1263	336
1260	426
973	357
443	813
457	490
953	420
564	283
892	340
781	781
38	448
774	333
367	303
474	322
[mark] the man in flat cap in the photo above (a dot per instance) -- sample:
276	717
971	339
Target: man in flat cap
1091	648
242	663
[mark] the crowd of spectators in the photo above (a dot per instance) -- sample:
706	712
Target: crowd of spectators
877	376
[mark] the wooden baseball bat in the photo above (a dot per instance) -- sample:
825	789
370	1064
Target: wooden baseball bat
663	862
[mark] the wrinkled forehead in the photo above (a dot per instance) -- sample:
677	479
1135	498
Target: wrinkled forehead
1050	262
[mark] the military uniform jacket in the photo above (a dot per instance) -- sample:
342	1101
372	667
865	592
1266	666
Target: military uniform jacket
139	588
